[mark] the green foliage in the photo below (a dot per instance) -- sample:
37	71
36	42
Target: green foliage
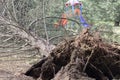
99	13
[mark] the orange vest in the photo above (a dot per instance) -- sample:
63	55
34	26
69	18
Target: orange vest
64	21
77	12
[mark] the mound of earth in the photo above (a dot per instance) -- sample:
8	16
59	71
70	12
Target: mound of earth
86	57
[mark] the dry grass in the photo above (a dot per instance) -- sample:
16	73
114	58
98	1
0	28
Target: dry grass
14	66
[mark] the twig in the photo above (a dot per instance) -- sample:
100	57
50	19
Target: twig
98	70
8	39
88	61
10	13
47	37
4	35
55	37
14	11
109	71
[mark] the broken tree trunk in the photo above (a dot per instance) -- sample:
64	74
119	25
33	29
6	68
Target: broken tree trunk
85	57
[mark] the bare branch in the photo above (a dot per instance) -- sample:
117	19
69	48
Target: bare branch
47	37
38	19
8	39
6	35
14	11
24	34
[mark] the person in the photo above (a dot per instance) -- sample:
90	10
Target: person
63	21
77	12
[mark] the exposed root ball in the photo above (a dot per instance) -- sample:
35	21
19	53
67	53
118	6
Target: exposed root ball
85	57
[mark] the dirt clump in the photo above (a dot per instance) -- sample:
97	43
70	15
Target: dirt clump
86	57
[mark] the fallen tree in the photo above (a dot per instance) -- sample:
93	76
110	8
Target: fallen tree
85	57
29	37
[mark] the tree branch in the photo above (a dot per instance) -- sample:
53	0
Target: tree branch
35	41
38	19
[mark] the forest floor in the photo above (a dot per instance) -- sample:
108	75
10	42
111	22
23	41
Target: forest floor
12	67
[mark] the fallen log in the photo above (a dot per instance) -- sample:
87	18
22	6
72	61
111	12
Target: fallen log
86	57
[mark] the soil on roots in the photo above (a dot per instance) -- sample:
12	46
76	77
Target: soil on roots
85	57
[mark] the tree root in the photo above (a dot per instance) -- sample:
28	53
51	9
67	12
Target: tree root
86	57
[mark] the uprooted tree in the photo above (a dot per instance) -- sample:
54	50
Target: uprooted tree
85	57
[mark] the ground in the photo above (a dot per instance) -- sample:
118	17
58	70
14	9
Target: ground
11	67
